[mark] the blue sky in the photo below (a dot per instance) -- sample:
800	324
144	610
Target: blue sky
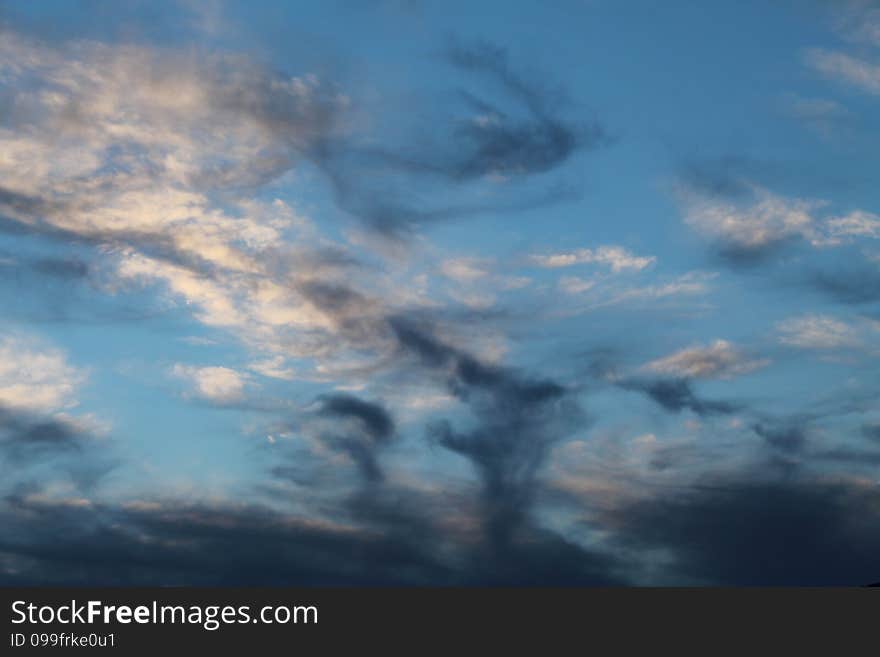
440	292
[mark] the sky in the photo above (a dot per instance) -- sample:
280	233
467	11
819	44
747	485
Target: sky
416	293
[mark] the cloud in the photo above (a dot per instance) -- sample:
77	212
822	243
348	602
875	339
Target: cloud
399	534
496	144
816	332
359	429
464	269
845	68
155	542
871	432
859	21
615	257
827	117
720	359
220	544
688	284
738	530
747	223
855	282
161	164
36	377
165	183
790	437
40	440
518	420
195	122
60	450
816	110
27	438
753	226
273	368
217	384
152	157
676	395
575	285
858	223
519	136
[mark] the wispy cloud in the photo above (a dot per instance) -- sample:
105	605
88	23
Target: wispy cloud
845	68
720	359
817	332
616	258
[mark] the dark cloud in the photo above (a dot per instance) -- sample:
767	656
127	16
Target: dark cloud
29	442
503	145
854	284
518	420
378	424
25	439
871	432
56	543
725	177
66	268
365	427
791	438
750	256
677	395
333	298
14	203
69	268
524	138
186	545
845	455
382	190
520	135
673	456
44	287
740	531
33	220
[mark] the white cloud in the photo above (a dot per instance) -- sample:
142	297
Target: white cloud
761	221
616	258
817	332
476	300
125	145
766	218
220	384
36	377
464	269
816	109
691	283
155	153
845	68
575	285
585	295
858	223
720	359
273	368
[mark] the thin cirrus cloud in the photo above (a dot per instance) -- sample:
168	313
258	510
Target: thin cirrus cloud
854	71
616	258
720	359
817	332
